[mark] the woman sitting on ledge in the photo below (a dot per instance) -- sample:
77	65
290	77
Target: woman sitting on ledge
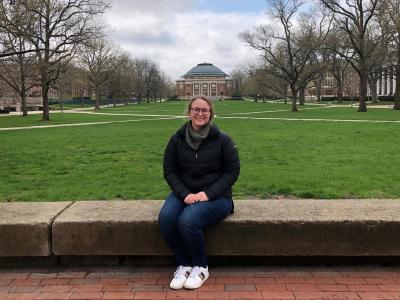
201	164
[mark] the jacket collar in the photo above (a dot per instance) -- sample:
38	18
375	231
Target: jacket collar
214	130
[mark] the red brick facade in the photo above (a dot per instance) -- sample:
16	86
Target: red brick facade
204	80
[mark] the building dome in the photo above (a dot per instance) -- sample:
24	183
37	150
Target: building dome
205	70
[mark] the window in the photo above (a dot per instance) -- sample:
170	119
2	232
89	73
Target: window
205	89
213	89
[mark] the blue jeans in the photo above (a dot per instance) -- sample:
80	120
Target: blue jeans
182	226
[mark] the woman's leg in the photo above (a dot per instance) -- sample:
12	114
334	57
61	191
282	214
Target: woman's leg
167	220
196	217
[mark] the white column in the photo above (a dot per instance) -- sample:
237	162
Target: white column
391	81
394	82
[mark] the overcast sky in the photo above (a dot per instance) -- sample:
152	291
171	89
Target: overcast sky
179	34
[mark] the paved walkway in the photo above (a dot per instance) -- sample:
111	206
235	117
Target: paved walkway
333	282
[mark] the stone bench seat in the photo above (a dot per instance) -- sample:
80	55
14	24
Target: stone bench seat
257	228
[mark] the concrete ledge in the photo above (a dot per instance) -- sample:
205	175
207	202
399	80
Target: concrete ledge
258	228
109	228
25	228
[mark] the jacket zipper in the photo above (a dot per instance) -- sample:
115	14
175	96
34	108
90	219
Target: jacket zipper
196	155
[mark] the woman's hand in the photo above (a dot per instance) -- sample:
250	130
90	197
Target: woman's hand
193	198
202	196
190	199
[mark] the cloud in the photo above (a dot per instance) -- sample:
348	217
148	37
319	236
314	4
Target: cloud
151	39
177	36
127	7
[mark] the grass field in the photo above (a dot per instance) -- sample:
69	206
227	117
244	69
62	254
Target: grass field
318	152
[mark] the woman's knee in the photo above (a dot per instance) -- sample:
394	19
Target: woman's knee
187	221
166	219
170	211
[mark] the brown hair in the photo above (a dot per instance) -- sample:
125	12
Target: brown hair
209	102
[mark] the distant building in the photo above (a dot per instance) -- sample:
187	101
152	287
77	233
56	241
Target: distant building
386	83
350	86
72	86
204	80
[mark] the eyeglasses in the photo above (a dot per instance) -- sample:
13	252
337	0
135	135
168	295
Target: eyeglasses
197	110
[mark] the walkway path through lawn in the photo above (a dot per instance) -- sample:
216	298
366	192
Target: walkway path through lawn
173	117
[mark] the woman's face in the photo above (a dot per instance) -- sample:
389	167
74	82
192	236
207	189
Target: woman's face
199	113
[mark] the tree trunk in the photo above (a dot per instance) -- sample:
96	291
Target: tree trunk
374	92
363	91
396	105
45	96
319	84
148	96
302	99
339	91
45	81
294	105
62	100
97	92
23	84
23	99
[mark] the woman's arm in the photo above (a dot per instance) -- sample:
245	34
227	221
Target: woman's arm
170	166
231	169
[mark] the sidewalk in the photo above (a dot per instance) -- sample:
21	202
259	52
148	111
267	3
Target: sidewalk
319	282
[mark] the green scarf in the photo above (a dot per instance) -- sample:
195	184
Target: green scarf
194	138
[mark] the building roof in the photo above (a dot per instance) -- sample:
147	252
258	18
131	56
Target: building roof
204	70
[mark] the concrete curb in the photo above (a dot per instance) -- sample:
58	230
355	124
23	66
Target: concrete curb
25	228
285	228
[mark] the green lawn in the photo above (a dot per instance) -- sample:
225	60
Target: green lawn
307	159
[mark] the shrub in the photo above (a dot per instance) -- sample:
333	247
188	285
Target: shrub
173	98
344	98
387	98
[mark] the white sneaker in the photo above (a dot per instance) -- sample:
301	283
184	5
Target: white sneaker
180	276
196	278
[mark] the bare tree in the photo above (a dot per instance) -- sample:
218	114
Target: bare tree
354	18
151	78
139	70
12	18
59	26
261	82
379	66
338	48
289	48
17	70
165	87
120	78
96	57
238	77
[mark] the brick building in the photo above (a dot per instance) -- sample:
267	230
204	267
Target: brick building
350	87
205	79
72	85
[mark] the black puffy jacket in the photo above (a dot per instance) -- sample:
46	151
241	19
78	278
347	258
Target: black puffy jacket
213	168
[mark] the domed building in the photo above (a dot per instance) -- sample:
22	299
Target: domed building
205	79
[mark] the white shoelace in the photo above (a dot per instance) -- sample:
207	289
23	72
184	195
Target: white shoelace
181	271
196	271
